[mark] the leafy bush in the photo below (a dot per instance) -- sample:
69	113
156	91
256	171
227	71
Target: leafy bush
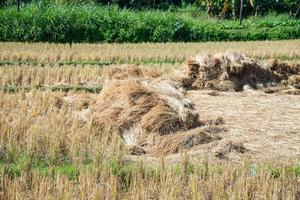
139	4
250	7
71	23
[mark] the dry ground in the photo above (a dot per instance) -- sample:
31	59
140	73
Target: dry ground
267	125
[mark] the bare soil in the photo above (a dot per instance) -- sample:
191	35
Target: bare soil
268	125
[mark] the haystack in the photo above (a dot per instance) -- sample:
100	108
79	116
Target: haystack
227	71
138	108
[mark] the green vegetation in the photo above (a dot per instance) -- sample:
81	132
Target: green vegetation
231	8
213	7
20	163
111	24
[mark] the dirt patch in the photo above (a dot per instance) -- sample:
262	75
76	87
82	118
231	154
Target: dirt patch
232	71
292	91
266	125
282	90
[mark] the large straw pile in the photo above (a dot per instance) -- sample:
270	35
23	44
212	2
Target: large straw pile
148	114
156	105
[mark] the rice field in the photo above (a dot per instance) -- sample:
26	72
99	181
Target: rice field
142	53
51	147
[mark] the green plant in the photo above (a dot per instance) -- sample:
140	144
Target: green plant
88	23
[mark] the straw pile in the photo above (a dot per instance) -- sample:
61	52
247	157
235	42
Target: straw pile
284	70
156	105
232	71
151	115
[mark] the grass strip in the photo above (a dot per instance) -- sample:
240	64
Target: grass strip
62	88
124	61
95	63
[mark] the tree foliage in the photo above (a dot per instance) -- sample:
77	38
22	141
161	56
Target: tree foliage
217	8
226	8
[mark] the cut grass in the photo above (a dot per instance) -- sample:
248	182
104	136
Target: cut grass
103	54
121	62
95	63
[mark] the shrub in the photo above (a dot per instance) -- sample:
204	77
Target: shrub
87	23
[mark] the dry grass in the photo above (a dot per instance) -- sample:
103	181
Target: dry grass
26	75
147	52
42	123
206	182
41	126
51	146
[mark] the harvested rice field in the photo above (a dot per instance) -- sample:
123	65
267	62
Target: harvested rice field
150	121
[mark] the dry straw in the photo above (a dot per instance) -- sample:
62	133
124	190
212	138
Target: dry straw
232	71
144	110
